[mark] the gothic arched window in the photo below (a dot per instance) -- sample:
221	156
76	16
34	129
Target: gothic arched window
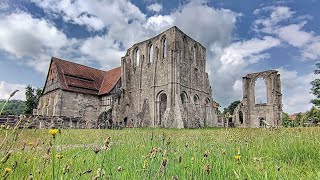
150	53
164	48
195	51
137	56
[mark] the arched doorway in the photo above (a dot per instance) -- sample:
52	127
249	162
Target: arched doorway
162	106
125	120
105	120
240	117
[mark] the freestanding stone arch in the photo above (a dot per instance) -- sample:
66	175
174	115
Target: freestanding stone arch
249	113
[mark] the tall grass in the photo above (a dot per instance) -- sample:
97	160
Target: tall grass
288	153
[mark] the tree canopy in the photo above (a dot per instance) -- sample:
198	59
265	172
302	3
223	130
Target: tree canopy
315	89
13	107
231	107
32	99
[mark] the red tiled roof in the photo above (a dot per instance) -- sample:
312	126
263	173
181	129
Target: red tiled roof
110	80
79	78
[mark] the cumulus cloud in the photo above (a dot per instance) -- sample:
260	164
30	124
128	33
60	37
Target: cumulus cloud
95	14
234	62
6	89
156	7
297	90
30	38
280	23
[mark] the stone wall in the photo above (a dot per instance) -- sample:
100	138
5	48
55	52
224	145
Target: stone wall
154	82
260	115
70	104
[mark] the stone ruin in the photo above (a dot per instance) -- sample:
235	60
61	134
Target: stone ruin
253	114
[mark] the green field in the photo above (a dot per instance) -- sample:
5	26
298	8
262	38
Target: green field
288	153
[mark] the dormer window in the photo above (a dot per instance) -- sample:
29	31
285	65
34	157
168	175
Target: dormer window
150	53
164	47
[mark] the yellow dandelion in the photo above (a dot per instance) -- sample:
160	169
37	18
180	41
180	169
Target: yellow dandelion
31	143
53	132
7	170
237	157
59	156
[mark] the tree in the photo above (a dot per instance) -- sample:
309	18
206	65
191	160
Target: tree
285	119
13	107
32	99
231	107
299	119
315	89
312	116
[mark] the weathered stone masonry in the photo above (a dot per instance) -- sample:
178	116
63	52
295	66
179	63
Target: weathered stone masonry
252	114
165	84
161	83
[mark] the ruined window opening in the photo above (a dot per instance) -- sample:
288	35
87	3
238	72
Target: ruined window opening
195	51
150	53
240	117
125	120
196	99
164	48
137	57
106	101
162	107
262	122
260	91
184	99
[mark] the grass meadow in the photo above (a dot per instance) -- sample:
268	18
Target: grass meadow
231	153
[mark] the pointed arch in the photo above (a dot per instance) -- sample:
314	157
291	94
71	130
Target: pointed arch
164	47
137	56
150	53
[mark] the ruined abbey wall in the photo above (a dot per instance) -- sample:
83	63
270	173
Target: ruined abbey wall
165	84
253	114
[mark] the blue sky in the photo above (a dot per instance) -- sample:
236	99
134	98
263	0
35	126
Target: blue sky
240	37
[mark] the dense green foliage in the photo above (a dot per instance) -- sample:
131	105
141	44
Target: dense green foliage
288	153
32	99
315	89
13	107
231	107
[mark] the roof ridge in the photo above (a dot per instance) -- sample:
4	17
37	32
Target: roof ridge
59	59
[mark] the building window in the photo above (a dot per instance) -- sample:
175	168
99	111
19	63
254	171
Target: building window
195	51
164	47
106	101
137	57
150	53
196	99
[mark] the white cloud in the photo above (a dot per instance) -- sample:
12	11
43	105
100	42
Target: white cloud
94	14
159	22
234	62
29	38
296	90
293	34
104	50
156	7
245	52
6	89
